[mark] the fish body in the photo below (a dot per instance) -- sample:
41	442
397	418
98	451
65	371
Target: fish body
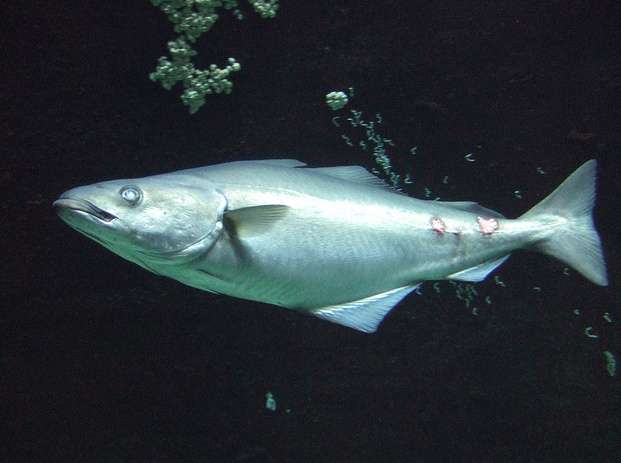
334	242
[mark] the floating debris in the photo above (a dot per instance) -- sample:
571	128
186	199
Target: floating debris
465	292
469	157
611	363
588	332
270	402
336	100
347	140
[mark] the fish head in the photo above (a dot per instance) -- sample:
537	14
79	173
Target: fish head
150	221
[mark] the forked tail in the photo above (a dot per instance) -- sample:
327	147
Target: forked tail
577	242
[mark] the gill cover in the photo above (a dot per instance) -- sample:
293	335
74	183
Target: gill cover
174	222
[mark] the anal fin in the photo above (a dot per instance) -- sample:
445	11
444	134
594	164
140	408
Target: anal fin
478	272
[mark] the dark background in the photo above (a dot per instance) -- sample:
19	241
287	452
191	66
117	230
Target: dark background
104	362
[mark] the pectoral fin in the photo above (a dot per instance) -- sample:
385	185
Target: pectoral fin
255	220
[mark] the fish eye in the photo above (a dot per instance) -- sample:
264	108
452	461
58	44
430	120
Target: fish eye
131	194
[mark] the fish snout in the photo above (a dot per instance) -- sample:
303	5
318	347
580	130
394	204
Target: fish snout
82	205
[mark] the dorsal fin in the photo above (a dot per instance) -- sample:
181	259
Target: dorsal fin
356	174
279	162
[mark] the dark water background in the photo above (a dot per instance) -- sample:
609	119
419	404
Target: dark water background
104	362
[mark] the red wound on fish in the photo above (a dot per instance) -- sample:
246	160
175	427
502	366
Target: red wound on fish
487	226
438	225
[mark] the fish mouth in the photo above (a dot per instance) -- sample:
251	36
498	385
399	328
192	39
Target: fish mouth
82	205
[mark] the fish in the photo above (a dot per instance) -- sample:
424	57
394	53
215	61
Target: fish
337	243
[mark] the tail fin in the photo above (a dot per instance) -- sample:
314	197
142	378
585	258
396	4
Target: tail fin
577	243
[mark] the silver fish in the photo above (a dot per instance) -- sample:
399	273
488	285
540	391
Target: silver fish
334	242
